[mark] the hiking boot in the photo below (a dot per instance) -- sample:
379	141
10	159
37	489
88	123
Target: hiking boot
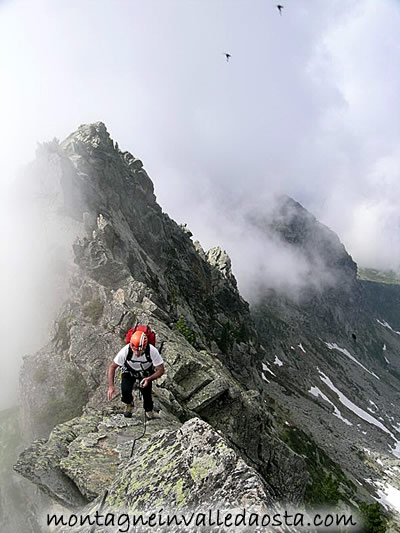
128	410
149	415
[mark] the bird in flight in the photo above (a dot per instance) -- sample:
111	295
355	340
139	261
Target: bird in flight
227	56
280	8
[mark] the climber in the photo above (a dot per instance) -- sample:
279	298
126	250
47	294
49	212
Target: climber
140	362
280	7
228	56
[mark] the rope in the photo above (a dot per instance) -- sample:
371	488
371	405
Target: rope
130	457
142	435
100	508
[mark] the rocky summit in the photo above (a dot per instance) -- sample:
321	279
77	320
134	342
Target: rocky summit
288	402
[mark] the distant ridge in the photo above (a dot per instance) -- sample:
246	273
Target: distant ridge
380	276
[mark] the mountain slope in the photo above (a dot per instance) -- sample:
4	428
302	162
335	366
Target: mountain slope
333	360
267	380
133	263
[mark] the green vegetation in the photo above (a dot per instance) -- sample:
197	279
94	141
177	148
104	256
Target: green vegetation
374	521
327	484
188	333
380	276
225	342
70	405
230	334
242	333
94	310
173	293
62	337
324	491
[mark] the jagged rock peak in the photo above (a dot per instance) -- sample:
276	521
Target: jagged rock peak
220	259
95	134
299	228
186	230
105	177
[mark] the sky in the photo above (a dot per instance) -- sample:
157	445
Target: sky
307	105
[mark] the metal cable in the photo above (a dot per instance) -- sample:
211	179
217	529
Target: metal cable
130	457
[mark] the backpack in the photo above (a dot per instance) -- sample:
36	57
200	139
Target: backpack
151	336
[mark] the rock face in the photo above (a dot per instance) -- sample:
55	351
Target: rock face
193	467
133	263
191	471
254	406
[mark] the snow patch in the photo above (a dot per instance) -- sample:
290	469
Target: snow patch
315	391
388	326
392	471
264	378
334	346
353	407
267	369
301	347
278	361
389	496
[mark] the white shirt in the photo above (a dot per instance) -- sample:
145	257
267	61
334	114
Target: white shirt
138	363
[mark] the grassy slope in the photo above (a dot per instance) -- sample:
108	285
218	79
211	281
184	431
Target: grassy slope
380	276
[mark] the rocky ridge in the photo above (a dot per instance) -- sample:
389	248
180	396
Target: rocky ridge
264	380
133	263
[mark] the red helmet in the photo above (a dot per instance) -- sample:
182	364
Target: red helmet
138	341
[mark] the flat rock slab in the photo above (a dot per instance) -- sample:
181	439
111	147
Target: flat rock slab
82	456
207	395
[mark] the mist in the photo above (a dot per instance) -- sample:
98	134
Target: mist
307	106
36	264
